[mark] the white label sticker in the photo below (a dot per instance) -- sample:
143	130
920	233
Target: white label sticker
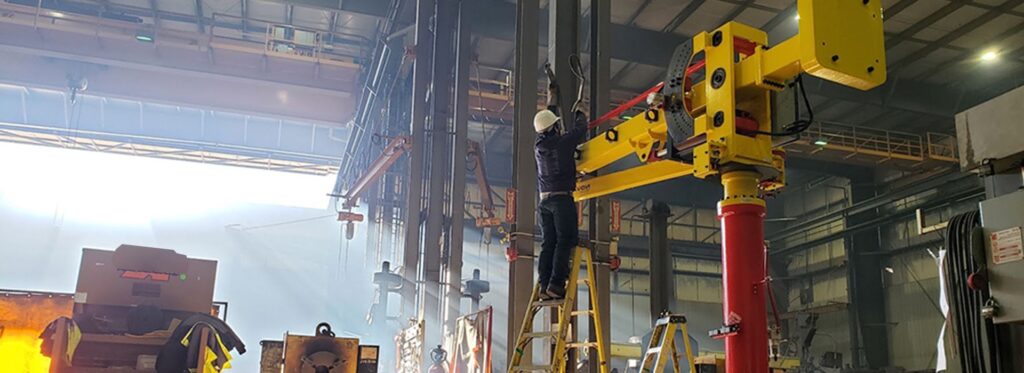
1006	246
81	297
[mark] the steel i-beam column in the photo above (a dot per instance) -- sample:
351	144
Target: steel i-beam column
563	42
869	337
420	86
440	115
662	281
524	172
453	285
743	273
600	218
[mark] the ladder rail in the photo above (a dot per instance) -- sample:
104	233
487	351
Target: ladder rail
566	310
663	337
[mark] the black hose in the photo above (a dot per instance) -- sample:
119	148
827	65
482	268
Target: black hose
798	125
973	337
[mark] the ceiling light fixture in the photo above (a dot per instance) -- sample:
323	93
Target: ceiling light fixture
990	56
821	142
57	14
144	36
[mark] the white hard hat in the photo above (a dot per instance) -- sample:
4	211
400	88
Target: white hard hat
544	120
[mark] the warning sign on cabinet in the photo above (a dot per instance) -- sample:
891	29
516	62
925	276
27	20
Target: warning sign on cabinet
1006	246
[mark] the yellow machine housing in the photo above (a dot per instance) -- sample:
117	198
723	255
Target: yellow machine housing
840	41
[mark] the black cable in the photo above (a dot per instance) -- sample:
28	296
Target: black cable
798	125
973	337
576	67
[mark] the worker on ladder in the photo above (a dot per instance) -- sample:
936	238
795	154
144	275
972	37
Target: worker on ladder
555	151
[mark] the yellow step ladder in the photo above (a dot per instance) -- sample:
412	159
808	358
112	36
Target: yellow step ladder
565	309
663	340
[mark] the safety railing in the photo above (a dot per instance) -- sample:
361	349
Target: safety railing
942	147
864	140
246	33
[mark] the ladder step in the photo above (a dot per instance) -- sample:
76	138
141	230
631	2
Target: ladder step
540	334
585	312
532	368
549	303
581	345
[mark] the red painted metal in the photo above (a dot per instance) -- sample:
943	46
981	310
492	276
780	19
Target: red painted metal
394	150
743	274
622	108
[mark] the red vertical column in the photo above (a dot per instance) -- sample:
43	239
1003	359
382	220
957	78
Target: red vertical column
743	272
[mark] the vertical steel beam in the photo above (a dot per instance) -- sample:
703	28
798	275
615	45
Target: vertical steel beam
453	285
563	41
600	218
869	330
662	279
440	118
524	172
420	86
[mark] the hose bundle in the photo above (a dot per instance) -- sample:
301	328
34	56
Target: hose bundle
972	338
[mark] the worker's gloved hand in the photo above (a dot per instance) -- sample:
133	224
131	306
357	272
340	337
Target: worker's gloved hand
580	119
552	93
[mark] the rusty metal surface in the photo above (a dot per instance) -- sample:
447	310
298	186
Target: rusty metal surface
271	356
100	282
297	347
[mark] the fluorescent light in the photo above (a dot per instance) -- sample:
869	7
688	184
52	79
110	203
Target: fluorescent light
57	14
820	142
990	56
144	36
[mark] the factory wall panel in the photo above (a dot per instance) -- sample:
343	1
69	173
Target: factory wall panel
912	292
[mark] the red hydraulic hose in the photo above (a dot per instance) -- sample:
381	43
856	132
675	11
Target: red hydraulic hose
622	108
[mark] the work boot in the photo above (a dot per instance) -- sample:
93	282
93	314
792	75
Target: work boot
543	292
556	292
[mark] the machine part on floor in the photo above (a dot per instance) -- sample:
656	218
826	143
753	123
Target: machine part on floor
438	356
137	290
733	135
392	152
271	356
387	282
561	334
475	288
326	353
984	259
409	345
471	346
662	346
369	359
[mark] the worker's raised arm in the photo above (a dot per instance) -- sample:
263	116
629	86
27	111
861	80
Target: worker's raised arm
578	131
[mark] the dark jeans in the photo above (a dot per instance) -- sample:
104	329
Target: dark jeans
560	229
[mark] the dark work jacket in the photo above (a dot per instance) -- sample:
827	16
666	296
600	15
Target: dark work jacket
555	154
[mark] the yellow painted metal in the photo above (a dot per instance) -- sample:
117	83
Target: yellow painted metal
626	351
634	136
741	187
726	100
843	41
630	178
560	337
663	343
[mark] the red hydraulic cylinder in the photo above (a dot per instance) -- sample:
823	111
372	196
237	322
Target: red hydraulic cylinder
743	274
